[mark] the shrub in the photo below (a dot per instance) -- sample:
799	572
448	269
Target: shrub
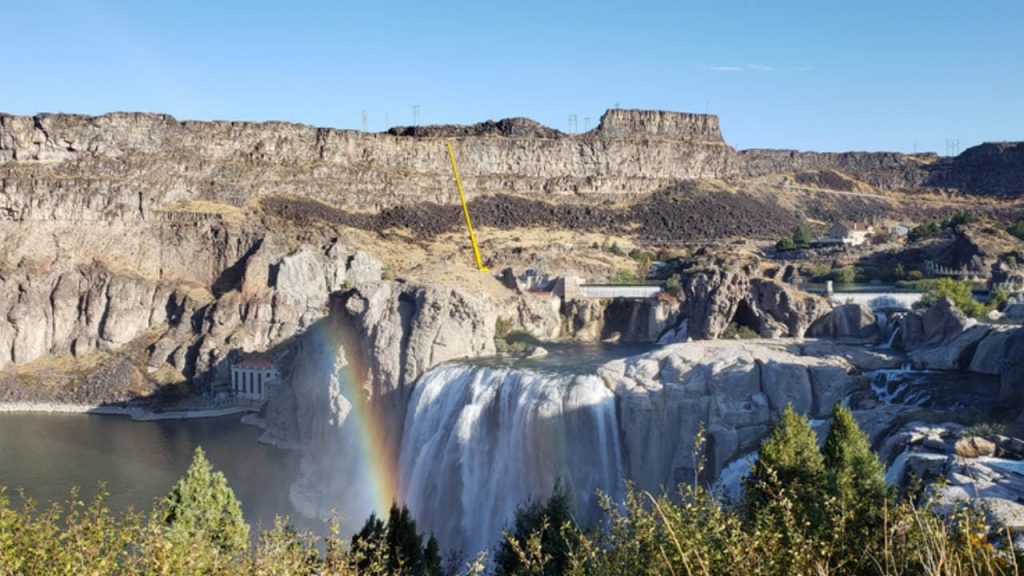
734	331
930	228
961	218
1017	229
626	277
959	293
997	298
674	286
786	244
802	236
844	275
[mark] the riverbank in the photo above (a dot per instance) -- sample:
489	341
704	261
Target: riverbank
136	413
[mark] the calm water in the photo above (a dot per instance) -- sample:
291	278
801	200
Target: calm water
570	358
47	454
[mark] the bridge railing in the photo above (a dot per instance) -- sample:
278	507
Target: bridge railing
620	290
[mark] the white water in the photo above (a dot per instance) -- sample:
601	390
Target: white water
675	335
481	441
891	385
730	480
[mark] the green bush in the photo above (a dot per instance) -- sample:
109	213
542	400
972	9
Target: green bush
674	286
933	227
734	332
786	244
844	275
1017	229
997	298
959	293
802	236
626	277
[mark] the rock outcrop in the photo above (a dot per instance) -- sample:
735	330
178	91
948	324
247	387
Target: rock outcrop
849	321
715	293
621	319
130	166
734	389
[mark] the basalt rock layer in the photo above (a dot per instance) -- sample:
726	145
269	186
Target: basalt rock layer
129	166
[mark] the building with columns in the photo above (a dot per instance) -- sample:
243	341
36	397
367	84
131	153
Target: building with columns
254	378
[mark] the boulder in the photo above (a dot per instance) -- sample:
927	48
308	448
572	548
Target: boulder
988	357
1011	378
849	321
943	322
974	447
955	354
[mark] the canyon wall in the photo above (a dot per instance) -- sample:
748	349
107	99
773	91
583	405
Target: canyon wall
132	166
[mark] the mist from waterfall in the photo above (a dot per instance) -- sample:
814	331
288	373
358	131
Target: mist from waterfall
481	441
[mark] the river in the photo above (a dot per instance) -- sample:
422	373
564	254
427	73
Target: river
48	454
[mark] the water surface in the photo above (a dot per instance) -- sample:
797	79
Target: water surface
48	454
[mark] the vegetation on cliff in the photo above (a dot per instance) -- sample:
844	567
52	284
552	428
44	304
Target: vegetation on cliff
806	511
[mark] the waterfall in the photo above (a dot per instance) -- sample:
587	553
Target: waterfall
892	385
675	335
892	339
480	441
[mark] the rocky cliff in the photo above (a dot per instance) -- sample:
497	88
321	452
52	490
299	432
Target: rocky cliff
130	166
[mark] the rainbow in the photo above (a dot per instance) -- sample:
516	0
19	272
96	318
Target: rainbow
377	455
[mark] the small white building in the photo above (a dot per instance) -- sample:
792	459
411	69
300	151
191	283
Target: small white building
254	378
851	233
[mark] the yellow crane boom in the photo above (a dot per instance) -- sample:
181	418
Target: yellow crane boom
465	212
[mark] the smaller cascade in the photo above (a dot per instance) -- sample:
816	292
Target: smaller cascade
892	385
892	339
675	335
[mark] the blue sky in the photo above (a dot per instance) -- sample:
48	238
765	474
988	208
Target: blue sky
821	75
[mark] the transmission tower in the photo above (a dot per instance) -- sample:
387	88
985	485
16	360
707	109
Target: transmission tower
586	123
416	115
366	121
573	124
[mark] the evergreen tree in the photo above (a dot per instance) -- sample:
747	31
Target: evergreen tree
405	545
369	543
802	236
855	482
432	558
788	467
396	545
549	520
201	508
